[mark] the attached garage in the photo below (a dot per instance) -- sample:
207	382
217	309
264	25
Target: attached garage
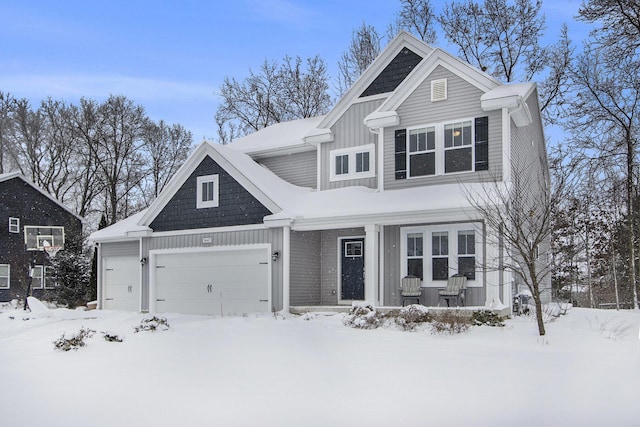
216	281
121	283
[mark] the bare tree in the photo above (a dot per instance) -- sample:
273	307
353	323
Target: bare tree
364	48
277	93
519	216
619	23
6	129
416	17
166	148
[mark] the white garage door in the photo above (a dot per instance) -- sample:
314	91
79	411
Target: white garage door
229	282
121	283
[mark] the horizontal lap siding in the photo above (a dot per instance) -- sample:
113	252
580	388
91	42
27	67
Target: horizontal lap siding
463	102
297	169
230	238
350	131
305	268
120	249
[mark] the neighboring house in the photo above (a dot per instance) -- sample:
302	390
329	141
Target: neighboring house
334	209
31	219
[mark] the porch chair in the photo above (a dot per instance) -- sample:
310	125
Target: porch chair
411	289
455	290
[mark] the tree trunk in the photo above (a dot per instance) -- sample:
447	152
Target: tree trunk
630	222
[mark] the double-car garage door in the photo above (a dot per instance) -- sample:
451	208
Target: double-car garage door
213	282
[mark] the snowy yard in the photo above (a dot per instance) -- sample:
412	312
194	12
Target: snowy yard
313	371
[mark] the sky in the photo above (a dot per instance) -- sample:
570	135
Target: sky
172	56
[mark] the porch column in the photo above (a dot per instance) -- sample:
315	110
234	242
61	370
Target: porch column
371	263
286	262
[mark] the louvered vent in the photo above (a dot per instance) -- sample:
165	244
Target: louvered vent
438	90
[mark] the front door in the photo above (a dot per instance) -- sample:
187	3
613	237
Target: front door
352	268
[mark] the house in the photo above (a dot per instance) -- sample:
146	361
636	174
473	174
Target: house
31	219
329	210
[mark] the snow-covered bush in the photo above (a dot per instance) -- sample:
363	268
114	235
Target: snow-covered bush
73	342
450	322
111	337
410	317
152	324
486	317
363	317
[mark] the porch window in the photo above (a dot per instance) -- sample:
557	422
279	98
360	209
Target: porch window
467	253
5	276
415	255
440	255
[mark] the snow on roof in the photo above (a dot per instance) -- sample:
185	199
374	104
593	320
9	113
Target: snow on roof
509	90
125	228
286	135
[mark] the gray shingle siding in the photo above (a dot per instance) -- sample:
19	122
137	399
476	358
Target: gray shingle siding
236	205
394	73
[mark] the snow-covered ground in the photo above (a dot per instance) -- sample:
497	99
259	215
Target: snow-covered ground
313	371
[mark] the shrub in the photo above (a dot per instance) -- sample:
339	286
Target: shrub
450	322
111	337
152	324
486	317
363	317
74	342
410	317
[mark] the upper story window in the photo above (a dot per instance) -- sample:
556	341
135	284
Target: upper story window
37	237
14	225
352	163
208	195
442	148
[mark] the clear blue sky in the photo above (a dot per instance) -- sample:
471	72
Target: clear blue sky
172	56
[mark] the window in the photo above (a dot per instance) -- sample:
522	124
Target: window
14	225
467	253
435	253
415	255
5	276
440	255
353	249
457	147
352	163
207	192
49	282
442	148
36	277
37	237
422	155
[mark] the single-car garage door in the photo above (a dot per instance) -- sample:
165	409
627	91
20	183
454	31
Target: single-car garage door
121	283
217	282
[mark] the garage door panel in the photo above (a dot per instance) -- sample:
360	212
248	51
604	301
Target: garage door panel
215	282
121	285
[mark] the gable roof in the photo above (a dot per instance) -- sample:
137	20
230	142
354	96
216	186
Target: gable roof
11	175
259	181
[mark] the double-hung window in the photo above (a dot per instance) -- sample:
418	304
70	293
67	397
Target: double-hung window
467	253
207	192
14	225
458	153
5	276
415	254
352	163
439	255
422	151
37	278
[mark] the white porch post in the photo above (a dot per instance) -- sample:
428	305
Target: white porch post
286	262
371	263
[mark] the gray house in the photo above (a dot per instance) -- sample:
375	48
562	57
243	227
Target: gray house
334	209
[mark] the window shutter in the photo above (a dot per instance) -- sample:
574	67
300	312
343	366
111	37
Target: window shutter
401	153
482	143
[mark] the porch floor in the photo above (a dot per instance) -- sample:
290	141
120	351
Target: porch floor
505	312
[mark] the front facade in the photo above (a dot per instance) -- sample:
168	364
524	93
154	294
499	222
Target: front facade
31	219
330	210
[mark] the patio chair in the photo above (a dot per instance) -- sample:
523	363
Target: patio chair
411	289
455	290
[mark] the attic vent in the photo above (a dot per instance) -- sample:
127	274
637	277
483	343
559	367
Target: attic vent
438	90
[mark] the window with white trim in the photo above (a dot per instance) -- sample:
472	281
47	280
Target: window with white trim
37	237
441	148
36	277
353	249
14	225
5	276
352	162
208	191
435	253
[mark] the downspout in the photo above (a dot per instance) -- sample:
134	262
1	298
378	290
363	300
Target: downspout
99	276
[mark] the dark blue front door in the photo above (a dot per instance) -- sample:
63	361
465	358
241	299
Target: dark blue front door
352	269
